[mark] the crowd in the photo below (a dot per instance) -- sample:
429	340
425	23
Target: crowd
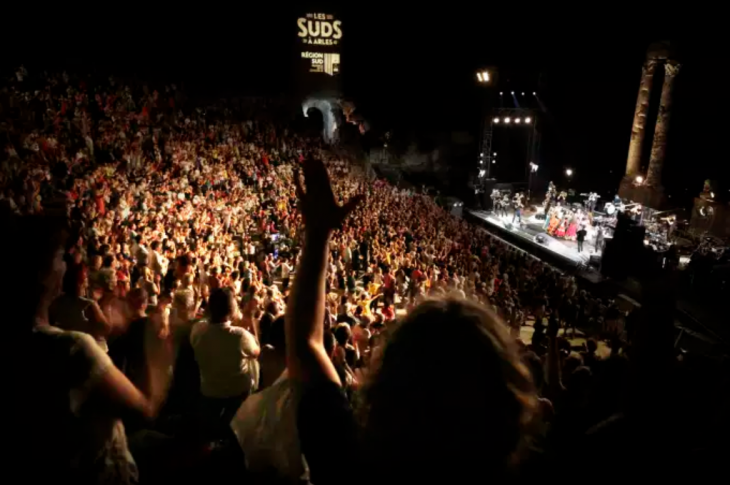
198	291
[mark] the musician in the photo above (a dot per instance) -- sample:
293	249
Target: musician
599	239
592	201
504	204
551	192
670	227
581	237
496	196
562	197
517	203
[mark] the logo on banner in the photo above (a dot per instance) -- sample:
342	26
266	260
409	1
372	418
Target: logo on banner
319	29
328	63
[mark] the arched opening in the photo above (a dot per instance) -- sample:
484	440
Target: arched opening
326	109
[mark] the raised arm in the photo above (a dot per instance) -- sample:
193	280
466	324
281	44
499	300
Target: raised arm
306	356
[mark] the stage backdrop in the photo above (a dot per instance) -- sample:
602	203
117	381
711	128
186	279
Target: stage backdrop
318	54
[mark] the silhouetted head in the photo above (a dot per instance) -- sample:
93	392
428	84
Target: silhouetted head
221	305
33	266
451	390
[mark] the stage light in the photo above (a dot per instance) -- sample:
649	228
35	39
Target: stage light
533	167
712	195
500	93
494	154
528	119
639	179
523	94
512	92
518	120
479	76
482	173
496	120
569	172
534	93
507	120
494	161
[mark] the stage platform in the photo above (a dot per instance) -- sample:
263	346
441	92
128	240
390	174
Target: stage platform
561	253
698	333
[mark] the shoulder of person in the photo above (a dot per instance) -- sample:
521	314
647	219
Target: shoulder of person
198	328
88	357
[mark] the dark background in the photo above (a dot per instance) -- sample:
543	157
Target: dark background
411	71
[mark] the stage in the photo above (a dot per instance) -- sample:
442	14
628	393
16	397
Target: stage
524	236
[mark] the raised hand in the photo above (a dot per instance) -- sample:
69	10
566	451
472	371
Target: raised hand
317	204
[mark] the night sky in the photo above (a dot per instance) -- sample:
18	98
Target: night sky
412	70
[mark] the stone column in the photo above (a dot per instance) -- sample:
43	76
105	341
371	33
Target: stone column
659	146
638	129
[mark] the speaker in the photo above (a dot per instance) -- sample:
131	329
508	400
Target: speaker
594	261
623	254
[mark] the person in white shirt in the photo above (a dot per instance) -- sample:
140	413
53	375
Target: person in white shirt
140	251
286	270
226	355
158	263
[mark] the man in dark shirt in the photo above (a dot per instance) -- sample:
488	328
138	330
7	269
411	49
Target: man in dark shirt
581	236
356	260
365	252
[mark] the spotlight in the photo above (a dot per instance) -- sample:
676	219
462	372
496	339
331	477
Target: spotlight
494	161
500	93
494	154
523	94
482	173
534	93
528	119
518	120
569	172
507	120
481	154
496	120
512	92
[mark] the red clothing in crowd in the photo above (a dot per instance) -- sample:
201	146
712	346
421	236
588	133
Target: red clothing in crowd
417	275
100	205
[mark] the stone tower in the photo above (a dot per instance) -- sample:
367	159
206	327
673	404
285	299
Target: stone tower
647	189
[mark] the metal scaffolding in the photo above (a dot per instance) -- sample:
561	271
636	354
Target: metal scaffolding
533	137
